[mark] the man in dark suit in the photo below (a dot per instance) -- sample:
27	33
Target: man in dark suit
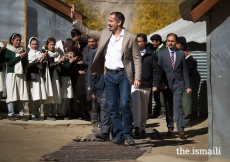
176	80
116	50
87	55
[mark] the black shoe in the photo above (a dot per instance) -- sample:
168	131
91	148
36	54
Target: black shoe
102	136
40	119
118	142
137	131
81	116
11	118
129	141
23	118
93	121
0	118
86	113
34	118
78	115
49	118
170	131
60	118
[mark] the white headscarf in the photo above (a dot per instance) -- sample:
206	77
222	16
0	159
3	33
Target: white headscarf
34	54
59	48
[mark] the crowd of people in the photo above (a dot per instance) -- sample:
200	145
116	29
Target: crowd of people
110	80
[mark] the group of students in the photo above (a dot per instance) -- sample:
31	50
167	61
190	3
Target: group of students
45	78
39	77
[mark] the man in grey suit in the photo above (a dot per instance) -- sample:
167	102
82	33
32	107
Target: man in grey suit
116	50
176	81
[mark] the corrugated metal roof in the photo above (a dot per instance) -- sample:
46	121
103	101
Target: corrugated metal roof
193	32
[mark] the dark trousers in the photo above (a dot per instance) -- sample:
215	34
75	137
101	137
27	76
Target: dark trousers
173	100
160	104
105	125
93	111
118	88
187	107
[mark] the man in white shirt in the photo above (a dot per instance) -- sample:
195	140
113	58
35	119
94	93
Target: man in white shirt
116	50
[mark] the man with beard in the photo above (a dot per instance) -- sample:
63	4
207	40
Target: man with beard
176	80
116	50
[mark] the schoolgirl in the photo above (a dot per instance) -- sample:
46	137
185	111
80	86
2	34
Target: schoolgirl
54	59
16	86
36	84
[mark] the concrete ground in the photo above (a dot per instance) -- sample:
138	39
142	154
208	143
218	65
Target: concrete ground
29	141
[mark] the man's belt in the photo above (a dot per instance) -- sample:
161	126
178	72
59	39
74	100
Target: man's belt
114	70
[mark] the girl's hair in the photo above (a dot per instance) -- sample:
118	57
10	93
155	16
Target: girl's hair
33	39
50	40
14	36
72	49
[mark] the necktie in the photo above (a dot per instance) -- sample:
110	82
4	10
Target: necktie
172	59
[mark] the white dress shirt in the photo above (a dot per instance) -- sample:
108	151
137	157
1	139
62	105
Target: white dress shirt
113	56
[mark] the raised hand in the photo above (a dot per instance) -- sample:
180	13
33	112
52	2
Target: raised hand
43	55
61	60
72	15
72	59
23	54
81	72
80	62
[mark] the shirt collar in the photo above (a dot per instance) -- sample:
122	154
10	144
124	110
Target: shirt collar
171	50
122	33
142	52
187	56
160	46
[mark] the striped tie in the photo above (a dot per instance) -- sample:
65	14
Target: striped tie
172	59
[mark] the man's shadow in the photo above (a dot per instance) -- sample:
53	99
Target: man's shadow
199	98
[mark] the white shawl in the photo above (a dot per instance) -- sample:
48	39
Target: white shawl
18	69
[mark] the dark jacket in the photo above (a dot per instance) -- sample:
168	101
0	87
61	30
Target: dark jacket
163	80
150	76
97	83
180	71
33	71
87	54
65	68
74	72
191	64
52	65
